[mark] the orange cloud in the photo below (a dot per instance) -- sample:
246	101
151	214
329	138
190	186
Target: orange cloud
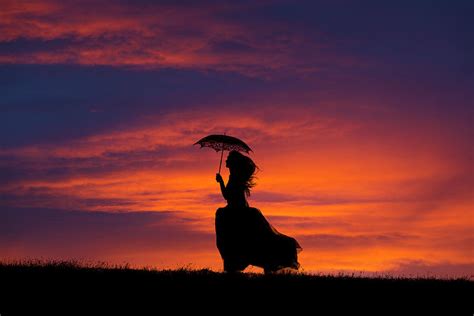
351	209
157	36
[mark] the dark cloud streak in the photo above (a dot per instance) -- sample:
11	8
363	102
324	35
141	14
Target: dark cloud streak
55	233
356	241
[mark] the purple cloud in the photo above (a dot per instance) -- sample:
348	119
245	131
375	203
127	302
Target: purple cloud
53	233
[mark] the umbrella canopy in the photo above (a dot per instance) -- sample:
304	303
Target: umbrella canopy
223	142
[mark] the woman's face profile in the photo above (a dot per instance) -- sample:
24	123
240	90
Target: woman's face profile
230	162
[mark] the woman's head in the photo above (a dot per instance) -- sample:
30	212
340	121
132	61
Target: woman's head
242	169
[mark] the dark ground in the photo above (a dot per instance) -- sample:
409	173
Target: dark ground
67	288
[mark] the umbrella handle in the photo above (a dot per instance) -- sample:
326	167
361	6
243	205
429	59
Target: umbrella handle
220	163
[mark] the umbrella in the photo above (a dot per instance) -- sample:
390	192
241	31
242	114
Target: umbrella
223	142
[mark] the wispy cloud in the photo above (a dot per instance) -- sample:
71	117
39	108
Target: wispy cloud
112	170
425	268
157	35
341	242
66	234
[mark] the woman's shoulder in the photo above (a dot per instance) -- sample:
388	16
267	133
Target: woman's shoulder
223	210
253	210
220	210
237	209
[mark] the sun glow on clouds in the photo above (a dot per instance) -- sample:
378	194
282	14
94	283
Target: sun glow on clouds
155	36
370	206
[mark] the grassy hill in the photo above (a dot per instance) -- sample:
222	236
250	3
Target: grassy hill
70	288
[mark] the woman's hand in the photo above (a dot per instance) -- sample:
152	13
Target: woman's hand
219	178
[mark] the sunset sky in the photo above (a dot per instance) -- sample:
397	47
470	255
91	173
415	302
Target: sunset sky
359	113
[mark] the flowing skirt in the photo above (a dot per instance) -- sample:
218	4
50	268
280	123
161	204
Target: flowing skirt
244	237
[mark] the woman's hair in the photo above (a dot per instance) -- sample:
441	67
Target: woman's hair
242	169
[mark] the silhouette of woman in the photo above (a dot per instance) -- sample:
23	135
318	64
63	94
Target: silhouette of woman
243	235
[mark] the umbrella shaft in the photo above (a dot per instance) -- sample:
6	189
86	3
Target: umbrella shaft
220	163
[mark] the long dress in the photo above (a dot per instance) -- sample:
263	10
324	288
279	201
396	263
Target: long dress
245	237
